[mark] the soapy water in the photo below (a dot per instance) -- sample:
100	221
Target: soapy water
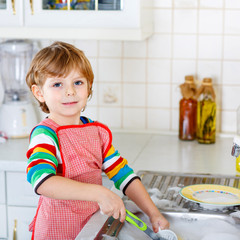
200	230
210	229
220	236
161	203
106	237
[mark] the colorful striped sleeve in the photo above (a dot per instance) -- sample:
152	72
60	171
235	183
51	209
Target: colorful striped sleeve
43	156
117	169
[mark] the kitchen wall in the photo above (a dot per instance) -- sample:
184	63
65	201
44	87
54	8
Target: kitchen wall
137	83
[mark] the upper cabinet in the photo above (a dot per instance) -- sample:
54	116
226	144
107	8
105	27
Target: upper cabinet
9	17
76	19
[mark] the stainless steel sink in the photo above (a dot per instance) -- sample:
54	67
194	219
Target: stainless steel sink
189	219
167	182
200	225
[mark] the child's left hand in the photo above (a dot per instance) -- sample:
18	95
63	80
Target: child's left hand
158	220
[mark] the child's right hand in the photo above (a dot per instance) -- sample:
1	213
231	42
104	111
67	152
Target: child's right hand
111	204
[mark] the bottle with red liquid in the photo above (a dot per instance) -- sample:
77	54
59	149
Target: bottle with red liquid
188	110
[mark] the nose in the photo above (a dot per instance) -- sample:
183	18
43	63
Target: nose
70	91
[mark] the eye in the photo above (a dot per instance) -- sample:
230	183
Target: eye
58	84
78	83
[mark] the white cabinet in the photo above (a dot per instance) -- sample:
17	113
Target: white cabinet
132	22
18	203
19	191
11	15
2	188
22	204
3	223
3	215
23	217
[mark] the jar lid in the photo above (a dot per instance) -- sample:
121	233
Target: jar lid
189	79
16	46
207	81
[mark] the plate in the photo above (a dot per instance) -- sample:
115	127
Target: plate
212	194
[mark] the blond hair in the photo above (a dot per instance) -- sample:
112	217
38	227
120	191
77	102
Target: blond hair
58	60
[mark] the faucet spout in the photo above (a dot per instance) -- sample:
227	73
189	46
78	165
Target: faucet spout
235	150
236	146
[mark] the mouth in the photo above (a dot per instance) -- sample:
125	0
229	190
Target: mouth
69	103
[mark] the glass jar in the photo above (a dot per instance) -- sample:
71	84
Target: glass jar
206	113
188	110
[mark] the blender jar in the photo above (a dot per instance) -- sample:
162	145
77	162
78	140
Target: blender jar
16	56
17	115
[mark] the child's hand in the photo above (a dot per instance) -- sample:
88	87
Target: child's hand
158	220
112	205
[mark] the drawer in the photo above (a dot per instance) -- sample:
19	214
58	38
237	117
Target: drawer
23	217
3	222
19	191
2	188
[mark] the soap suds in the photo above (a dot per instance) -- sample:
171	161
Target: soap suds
187	230
220	236
106	237
158	198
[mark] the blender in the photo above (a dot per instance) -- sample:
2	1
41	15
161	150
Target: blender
17	114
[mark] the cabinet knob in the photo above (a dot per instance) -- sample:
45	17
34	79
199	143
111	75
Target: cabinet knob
15	230
31	6
13	7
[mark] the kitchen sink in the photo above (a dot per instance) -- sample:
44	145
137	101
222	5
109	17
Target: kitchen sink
190	226
189	220
198	226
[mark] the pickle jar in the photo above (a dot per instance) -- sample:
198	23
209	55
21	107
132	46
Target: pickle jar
206	112
187	110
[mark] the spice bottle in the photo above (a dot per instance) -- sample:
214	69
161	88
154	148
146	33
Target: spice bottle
187	110
206	112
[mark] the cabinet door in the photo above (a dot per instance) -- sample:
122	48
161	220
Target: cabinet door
2	188
23	217
3	222
11	13
126	14
19	191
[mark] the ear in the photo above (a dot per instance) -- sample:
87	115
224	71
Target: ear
37	92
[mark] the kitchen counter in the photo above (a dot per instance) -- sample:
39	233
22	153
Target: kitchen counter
166	153
144	151
147	151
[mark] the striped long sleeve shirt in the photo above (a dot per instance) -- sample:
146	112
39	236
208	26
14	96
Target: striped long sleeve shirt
44	159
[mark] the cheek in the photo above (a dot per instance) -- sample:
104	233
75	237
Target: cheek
52	98
84	93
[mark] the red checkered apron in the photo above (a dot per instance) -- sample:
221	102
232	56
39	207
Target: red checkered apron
82	150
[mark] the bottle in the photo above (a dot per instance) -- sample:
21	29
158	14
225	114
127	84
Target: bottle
187	110
236	152
236	144
206	112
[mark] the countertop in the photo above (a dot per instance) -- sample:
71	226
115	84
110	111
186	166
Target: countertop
147	151
144	151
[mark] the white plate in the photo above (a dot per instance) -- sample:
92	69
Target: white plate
212	195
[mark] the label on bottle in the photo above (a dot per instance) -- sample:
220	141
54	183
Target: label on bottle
206	121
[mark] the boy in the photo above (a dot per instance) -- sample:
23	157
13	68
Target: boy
68	152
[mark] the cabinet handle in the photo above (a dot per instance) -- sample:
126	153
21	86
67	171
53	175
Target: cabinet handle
15	230
68	5
96	5
13	7
31	6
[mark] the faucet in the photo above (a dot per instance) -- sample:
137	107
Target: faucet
236	146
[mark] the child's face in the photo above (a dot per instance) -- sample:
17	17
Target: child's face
64	96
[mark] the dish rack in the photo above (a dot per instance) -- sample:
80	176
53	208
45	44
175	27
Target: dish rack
165	181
